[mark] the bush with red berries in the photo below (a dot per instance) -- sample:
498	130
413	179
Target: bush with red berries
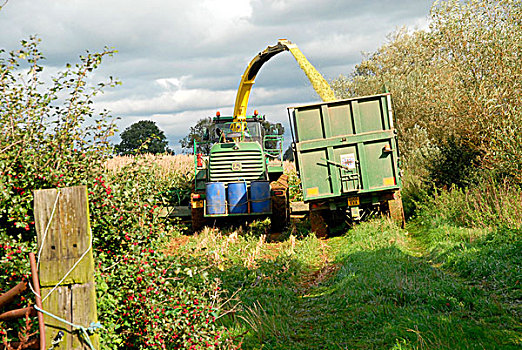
52	137
149	299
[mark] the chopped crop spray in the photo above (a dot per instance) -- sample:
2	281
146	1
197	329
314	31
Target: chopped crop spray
319	83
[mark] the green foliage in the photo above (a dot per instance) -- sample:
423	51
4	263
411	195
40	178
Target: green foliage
149	299
51	137
259	227
294	188
454	165
197	133
143	136
487	204
455	88
294	182
46	140
14	269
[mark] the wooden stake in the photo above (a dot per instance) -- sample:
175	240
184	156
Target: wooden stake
68	237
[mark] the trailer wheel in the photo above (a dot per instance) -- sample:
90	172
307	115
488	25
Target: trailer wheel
318	223
280	204
395	210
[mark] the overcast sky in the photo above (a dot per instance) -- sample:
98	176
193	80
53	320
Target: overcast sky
182	60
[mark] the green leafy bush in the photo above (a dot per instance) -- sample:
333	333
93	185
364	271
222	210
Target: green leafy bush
148	298
51	137
50	134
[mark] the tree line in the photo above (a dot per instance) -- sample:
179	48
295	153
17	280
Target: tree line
145	136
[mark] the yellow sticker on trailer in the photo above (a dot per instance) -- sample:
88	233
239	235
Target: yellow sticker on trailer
388	181
313	191
353	201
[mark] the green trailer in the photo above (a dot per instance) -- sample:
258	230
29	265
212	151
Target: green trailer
347	158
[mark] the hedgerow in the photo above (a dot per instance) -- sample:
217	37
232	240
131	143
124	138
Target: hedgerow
52	137
148	298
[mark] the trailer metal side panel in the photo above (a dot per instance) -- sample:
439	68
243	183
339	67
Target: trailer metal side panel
346	147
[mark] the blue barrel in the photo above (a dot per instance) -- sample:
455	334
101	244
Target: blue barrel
216	203
237	198
260	196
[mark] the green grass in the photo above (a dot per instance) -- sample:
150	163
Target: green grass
376	287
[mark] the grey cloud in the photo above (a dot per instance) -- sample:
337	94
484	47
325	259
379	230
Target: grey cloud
207	44
297	11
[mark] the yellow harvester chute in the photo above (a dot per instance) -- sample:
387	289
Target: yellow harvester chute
247	79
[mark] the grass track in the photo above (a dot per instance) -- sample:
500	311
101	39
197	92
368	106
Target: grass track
374	288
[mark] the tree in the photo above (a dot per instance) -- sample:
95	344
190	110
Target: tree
142	137
205	125
289	154
197	133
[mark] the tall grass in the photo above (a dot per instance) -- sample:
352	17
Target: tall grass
489	204
370	288
173	175
164	166
476	234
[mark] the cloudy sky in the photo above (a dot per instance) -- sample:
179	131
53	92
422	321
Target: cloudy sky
182	60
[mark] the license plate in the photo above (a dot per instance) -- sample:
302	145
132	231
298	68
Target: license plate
353	201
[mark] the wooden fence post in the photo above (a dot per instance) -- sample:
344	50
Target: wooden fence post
63	242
